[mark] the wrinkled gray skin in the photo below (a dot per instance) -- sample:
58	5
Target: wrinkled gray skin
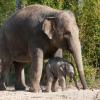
34	33
56	70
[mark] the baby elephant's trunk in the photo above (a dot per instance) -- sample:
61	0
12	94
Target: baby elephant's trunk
72	77
75	81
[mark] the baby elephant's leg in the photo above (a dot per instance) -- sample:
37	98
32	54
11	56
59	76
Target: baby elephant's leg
55	85
49	83
62	82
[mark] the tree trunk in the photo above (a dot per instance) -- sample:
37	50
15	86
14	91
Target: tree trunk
18	4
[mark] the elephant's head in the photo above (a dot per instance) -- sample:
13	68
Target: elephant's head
63	30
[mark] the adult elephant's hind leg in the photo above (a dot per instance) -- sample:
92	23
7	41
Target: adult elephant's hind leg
20	76
2	80
4	69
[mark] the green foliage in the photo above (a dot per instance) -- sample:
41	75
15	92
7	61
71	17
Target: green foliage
90	74
89	23
6	9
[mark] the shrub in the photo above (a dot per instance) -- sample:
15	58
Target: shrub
90	74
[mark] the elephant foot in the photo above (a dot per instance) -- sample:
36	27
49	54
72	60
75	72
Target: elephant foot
47	90
34	90
85	87
54	90
20	87
2	86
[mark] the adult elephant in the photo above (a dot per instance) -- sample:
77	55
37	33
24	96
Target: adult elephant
35	33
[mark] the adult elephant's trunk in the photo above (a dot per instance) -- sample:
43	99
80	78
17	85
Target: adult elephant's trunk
76	50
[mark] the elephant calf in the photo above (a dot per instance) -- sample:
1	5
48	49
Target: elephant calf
56	70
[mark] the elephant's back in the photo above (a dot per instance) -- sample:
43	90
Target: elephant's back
28	21
34	11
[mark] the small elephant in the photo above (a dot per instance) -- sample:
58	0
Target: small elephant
56	70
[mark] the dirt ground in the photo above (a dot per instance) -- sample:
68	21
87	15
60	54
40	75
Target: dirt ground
70	94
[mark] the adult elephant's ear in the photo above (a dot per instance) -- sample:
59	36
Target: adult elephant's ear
48	26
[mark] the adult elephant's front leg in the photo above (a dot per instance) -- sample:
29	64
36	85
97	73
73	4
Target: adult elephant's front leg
36	70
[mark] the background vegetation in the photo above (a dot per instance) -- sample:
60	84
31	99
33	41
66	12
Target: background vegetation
87	13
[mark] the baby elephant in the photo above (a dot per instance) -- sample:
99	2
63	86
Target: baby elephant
56	71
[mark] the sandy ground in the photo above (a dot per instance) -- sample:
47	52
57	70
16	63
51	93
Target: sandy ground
70	94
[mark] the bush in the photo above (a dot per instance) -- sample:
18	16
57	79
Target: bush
90	74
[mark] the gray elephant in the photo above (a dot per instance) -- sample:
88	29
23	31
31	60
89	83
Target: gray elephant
35	33
56	70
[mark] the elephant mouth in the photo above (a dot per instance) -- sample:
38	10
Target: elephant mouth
66	45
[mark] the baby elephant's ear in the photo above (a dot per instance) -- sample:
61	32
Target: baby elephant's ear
48	26
61	68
